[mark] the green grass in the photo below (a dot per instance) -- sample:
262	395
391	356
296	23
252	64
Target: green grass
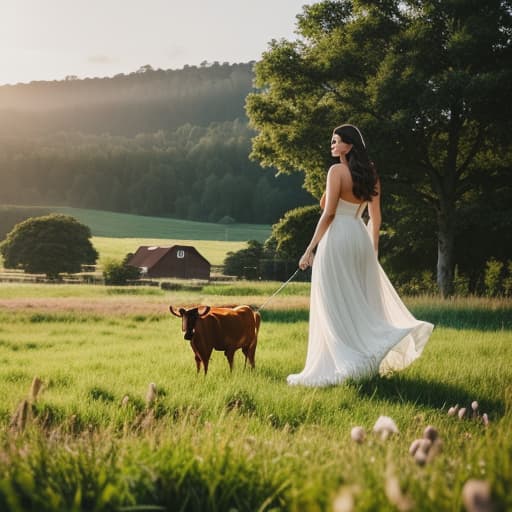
124	225
240	441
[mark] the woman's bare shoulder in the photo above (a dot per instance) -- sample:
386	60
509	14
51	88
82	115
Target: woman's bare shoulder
339	168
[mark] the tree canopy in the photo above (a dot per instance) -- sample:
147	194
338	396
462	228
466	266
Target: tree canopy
428	83
50	244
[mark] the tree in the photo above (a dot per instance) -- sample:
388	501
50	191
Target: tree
245	262
49	244
428	82
293	232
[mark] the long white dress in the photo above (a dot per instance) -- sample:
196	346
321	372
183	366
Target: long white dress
358	326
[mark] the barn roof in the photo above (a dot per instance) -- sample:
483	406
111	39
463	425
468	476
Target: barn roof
149	255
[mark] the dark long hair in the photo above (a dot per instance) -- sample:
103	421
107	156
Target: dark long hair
362	169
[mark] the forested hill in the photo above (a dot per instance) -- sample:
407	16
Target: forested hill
141	102
164	143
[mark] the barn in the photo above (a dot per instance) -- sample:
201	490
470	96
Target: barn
180	261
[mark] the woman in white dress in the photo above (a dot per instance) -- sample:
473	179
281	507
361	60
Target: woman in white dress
358	326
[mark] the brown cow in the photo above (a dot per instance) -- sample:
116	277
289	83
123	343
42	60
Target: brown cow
225	329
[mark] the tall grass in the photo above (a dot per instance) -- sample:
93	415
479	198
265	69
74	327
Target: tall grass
242	440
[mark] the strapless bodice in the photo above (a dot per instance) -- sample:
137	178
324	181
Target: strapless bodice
348	208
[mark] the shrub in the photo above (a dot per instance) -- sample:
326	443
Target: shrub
119	273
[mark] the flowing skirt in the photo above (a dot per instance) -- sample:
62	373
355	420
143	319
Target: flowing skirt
358	326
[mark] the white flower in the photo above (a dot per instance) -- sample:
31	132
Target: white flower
385	426
474	405
485	419
357	434
461	413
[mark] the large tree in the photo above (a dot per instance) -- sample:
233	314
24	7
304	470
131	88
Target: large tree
427	81
50	244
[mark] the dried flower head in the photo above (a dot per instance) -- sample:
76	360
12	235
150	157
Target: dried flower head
430	433
476	496
357	434
452	411
36	386
151	394
385	426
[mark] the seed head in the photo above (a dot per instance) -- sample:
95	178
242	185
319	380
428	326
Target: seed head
385	426
476	496
357	434
430	433
452	411
151	394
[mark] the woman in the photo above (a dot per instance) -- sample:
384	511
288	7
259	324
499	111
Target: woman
358	324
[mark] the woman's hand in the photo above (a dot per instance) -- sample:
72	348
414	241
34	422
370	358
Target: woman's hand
306	259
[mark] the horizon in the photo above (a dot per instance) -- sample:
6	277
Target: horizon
46	42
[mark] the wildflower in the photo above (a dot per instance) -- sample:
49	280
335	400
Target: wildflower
485	419
461	412
151	394
474	405
357	434
385	426
476	496
125	400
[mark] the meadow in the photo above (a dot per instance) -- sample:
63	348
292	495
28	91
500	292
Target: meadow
242	440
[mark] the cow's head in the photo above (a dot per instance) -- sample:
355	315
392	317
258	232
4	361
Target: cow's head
189	317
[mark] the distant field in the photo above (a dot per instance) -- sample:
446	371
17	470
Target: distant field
124	225
117	248
116	234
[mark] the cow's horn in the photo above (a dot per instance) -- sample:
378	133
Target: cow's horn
205	312
174	312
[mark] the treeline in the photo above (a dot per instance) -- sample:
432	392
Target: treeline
141	102
192	172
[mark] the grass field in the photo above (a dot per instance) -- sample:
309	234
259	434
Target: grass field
124	225
240	441
116	234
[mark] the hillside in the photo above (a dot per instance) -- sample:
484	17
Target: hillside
172	143
122	225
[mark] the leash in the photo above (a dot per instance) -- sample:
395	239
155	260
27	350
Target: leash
278	290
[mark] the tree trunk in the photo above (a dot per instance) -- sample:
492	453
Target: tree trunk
446	247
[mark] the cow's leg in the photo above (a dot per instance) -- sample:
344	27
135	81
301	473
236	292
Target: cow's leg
251	353
206	358
230	355
245	351
198	363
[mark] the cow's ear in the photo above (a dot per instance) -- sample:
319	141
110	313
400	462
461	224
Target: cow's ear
174	312
205	310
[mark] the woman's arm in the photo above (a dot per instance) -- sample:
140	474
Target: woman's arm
375	218
322	201
332	195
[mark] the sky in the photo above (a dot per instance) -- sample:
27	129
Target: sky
52	39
